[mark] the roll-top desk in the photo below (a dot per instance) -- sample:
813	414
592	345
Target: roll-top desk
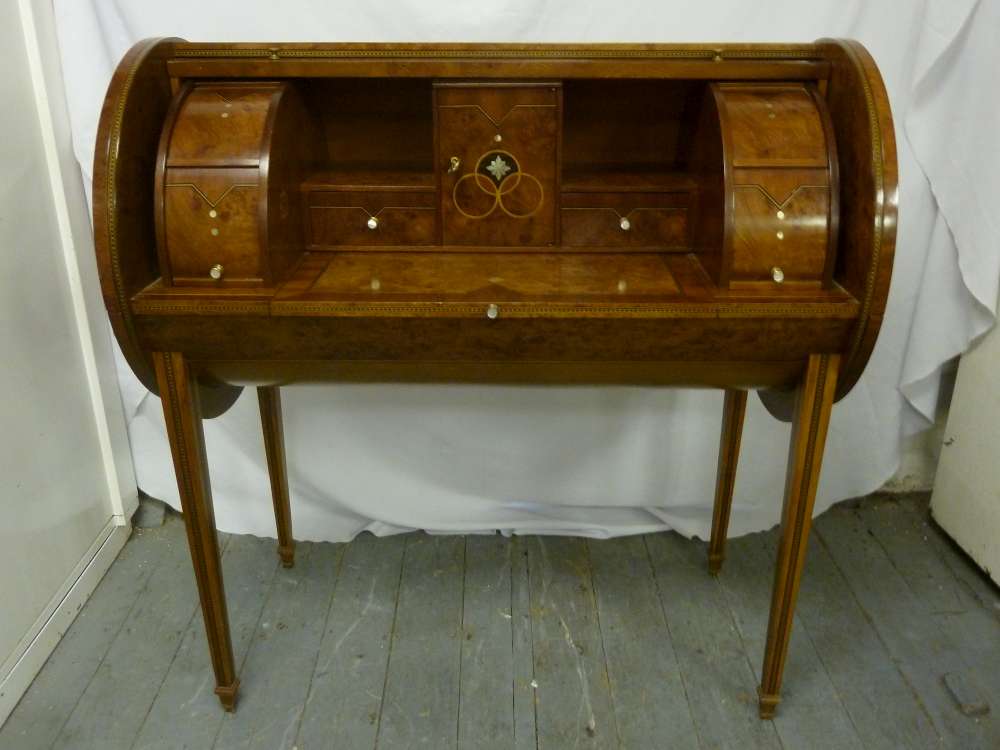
699	215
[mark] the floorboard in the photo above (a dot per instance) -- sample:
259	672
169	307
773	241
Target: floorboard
531	642
883	707
121	692
420	707
282	656
345	696
721	687
650	703
944	601
525	711
810	713
185	714
574	707
46	706
916	643
486	711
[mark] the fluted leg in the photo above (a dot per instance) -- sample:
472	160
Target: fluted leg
809	424
179	394
733	411
274	446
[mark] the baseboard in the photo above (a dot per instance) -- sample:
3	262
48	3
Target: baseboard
38	643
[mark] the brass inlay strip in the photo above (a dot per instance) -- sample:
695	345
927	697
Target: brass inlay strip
334	308
496	123
877	164
774	201
384	208
205	197
715	54
114	141
200	307
625	215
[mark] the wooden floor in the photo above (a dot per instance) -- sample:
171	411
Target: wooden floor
547	642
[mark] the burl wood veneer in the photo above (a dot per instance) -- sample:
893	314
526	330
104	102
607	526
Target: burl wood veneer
701	215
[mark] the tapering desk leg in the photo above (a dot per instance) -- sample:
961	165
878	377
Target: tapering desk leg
181	410
733	411
274	446
809	424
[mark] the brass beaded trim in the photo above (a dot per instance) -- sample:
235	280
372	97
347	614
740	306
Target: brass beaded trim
277	53
877	162
259	308
846	310
832	311
111	187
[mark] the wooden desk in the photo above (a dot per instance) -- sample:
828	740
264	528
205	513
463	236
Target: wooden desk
696	215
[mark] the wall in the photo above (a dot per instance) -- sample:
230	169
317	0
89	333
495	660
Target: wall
67	482
966	499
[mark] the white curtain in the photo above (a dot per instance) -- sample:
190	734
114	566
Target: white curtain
599	461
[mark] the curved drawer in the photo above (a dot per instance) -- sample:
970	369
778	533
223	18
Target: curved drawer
211	217
221	125
780	221
778	196
228	207
776	125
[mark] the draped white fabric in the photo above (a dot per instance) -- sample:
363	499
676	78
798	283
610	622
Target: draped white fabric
599	461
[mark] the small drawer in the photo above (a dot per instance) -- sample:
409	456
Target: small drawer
372	218
221	125
776	125
211	218
780	220
657	221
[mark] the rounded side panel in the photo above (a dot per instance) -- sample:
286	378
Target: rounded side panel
869	199
124	231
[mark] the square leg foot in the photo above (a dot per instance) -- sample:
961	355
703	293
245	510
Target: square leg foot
227	695
287	555
768	704
714	564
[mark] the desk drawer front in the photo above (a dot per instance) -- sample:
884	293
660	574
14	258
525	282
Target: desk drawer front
773	125
780	220
625	220
221	124
371	219
211	218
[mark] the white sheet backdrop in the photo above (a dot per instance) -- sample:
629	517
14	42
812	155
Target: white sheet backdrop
599	461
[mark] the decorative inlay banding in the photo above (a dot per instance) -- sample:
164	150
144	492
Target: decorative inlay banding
876	255
496	123
209	201
774	201
576	53
833	311
628	213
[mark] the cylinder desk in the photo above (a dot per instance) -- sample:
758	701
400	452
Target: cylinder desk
696	215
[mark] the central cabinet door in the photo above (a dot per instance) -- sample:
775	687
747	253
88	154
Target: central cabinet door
497	146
